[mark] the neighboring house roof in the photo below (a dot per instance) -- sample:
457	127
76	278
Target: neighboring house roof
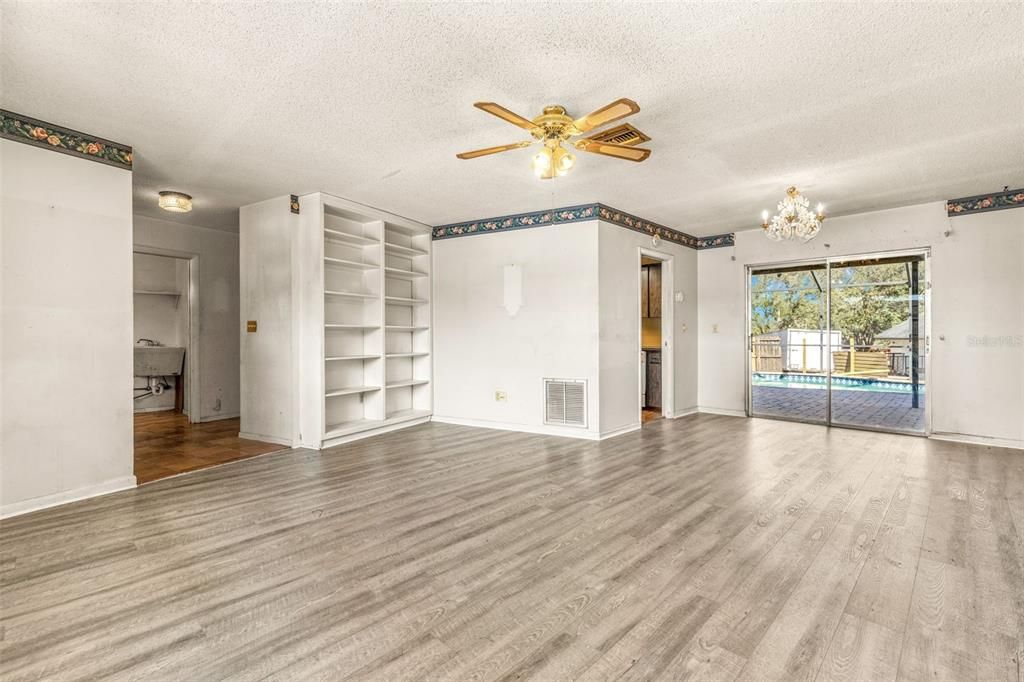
901	331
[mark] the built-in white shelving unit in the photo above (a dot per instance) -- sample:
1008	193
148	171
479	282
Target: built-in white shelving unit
361	303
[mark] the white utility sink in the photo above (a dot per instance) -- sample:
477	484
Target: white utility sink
158	361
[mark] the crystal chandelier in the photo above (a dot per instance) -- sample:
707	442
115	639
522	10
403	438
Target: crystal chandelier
794	219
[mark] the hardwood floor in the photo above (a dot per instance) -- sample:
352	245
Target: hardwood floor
706	547
649	414
167	445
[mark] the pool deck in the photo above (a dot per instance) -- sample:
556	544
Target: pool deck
856	408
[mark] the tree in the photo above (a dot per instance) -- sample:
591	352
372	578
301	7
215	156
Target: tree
786	300
868	299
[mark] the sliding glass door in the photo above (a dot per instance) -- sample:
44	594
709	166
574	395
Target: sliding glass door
789	348
841	341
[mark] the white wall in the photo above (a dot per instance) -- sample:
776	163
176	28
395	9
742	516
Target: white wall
976	368
159	317
218	283
66	328
480	348
619	303
579	320
269	380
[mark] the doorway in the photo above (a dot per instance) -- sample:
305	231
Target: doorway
841	341
655	330
171	435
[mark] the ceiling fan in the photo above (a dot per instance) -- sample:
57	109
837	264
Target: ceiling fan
555	126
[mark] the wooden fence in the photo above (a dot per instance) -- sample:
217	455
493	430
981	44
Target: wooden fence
766	355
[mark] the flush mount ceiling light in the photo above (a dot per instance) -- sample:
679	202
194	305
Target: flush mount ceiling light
794	219
175	202
555	126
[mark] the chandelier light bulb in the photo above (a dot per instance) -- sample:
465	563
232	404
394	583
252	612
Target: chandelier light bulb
764	217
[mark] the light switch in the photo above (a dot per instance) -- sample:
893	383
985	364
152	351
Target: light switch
500	396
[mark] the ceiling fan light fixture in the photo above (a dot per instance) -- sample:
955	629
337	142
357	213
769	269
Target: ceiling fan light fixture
555	127
175	202
542	162
563	160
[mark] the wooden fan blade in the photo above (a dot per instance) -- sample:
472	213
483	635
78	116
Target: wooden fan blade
619	151
620	108
506	115
492	150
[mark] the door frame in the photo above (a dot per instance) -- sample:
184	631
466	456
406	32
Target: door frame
829	262
668	387
192	375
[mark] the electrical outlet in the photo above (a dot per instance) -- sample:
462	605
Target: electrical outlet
500	396
714	329
250	326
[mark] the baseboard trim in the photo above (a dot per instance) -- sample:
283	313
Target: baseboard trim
685	413
145	410
268	439
979	440
721	411
36	503
630	428
219	417
565	432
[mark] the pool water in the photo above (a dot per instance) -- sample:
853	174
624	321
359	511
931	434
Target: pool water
838	383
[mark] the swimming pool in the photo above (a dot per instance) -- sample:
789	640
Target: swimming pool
838	383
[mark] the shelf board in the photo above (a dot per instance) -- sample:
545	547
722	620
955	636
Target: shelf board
405	328
351	294
352	390
357	425
407	355
401	415
404	250
403	274
409	382
403	229
348	238
401	300
351	264
351	326
338	358
145	292
352	426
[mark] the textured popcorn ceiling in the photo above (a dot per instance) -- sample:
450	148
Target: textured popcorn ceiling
863	106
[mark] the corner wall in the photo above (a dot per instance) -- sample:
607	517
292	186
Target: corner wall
66	310
479	347
579	320
218	352
619	305
976	370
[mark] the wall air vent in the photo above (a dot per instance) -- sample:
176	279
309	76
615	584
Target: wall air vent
565	402
623	134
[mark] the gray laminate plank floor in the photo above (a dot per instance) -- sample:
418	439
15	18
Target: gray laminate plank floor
706	547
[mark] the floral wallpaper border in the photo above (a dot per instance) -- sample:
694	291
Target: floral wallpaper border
632	222
570	214
518	221
64	140
1008	198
